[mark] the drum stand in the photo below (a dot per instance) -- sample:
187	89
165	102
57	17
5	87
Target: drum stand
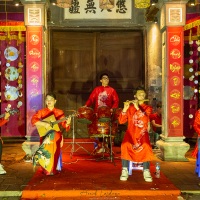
111	157
73	142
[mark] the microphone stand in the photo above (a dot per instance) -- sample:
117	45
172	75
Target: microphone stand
73	141
111	151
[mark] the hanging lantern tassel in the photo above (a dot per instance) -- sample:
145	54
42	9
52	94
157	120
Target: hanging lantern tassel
19	41
190	36
8	37
142	3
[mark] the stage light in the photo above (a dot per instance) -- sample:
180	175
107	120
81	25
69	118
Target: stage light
53	2
154	2
16	2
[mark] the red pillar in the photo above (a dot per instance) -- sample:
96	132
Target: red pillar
175	67
33	76
34	79
172	144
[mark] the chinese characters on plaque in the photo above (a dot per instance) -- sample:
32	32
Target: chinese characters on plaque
99	9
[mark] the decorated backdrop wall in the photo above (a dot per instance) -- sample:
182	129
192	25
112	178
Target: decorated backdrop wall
12	75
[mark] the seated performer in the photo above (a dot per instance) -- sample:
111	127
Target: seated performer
2	122
196	126
103	95
136	146
49	153
156	122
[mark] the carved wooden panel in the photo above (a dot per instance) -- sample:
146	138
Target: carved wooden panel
78	59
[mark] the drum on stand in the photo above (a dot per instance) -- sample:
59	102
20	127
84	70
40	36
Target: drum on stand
104	114
102	128
85	115
98	128
92	128
105	128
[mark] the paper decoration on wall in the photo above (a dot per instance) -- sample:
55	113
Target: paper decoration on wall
188	92
11	73
11	53
19	104
187	72
11	93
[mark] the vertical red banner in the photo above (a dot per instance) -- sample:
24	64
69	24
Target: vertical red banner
33	75
175	81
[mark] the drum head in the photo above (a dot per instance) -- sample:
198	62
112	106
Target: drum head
84	121
104	119
85	115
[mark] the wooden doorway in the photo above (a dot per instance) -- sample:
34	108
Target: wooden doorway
78	59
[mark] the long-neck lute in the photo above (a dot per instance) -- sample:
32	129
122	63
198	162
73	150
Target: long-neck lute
63	119
53	124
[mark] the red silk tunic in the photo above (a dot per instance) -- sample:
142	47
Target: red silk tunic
136	145
196	126
157	119
103	96
45	112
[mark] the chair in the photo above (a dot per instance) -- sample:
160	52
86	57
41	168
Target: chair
197	170
134	166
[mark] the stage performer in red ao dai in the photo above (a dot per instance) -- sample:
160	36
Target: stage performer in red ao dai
136	145
103	95
196	126
48	155
3	120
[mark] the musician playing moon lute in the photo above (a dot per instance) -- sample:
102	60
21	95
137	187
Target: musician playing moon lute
48	156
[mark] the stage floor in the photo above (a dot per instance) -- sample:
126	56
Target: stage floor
92	177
